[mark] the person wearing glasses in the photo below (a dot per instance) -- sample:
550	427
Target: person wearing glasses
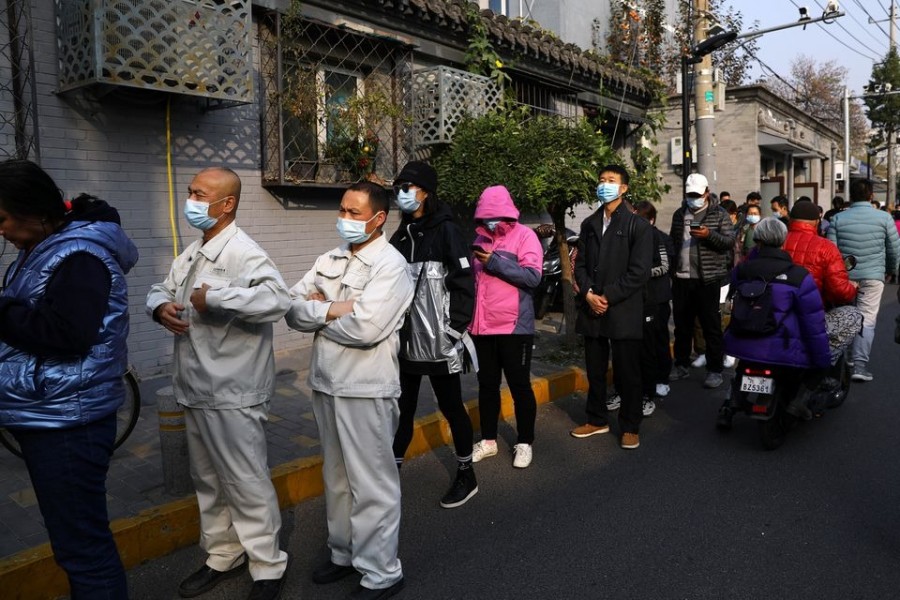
432	340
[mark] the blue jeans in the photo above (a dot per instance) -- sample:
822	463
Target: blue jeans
68	470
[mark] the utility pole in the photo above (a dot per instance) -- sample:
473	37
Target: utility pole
704	101
892	171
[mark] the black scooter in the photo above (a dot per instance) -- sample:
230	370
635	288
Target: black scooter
762	392
547	295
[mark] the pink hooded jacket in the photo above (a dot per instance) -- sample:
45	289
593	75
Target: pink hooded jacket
504	284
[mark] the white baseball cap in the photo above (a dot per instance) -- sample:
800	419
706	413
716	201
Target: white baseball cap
696	184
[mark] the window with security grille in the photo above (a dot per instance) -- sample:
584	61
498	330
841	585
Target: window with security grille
337	104
18	115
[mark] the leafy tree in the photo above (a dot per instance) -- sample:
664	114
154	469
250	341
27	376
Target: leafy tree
817	88
547	163
637	37
883	110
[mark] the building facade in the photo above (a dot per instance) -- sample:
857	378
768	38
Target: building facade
127	101
763	144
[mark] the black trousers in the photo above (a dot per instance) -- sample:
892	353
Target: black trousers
626	363
511	355
656	355
448	391
691	299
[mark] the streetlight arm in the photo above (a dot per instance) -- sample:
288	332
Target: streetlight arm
805	22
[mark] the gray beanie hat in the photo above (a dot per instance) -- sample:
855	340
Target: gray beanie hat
770	232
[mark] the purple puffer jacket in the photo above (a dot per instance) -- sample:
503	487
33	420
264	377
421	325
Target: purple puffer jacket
503	285
801	339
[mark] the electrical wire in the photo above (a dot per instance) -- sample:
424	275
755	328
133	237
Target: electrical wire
864	28
625	87
875	22
841	25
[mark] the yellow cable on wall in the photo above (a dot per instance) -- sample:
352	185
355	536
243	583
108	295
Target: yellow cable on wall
169	174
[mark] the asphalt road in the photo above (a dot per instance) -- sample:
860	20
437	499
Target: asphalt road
691	514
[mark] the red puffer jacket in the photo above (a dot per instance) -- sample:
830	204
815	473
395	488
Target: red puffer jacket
823	260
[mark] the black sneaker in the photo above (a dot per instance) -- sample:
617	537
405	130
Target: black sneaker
464	487
724	418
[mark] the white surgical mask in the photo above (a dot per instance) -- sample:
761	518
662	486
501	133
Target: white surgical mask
696	203
197	213
753	219
407	201
353	231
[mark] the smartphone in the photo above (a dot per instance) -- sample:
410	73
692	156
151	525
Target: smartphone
479	248
696	226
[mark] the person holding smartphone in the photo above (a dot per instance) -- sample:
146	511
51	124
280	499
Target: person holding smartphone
703	236
434	336
508	264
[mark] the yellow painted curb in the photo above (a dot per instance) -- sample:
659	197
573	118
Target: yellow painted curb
159	531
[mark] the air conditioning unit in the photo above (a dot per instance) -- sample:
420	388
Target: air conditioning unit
677	149
198	48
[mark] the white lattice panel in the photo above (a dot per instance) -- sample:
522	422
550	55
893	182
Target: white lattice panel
196	47
442	96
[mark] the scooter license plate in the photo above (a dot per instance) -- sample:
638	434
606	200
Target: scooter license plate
757	385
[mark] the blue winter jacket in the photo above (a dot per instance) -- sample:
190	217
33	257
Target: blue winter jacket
801	339
65	391
871	236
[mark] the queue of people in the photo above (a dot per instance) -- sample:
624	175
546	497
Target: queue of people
385	311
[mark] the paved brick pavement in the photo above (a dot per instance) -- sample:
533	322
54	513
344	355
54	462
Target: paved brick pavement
135	481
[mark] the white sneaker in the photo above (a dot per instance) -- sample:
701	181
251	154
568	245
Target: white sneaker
729	361
649	407
613	402
521	455
700	361
484	449
662	390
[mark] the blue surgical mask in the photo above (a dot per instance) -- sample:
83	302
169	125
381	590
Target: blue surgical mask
353	231
407	201
607	192
696	203
492	224
753	219
197	213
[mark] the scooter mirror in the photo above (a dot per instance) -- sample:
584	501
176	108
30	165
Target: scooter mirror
849	262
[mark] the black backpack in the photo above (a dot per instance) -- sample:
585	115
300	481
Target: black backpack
752	309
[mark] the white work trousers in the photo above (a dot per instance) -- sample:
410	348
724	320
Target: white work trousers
868	301
362	485
238	505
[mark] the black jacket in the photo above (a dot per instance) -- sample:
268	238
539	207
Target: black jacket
617	265
715	251
437	237
659	288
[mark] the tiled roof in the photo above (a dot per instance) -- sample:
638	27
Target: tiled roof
512	39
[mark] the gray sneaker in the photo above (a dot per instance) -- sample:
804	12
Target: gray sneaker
713	380
679	372
860	374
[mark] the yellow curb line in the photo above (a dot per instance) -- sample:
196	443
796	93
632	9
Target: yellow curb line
161	530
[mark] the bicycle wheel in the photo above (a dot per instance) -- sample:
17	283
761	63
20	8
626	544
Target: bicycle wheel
7	439
126	416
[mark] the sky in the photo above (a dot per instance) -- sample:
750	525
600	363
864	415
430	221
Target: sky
850	40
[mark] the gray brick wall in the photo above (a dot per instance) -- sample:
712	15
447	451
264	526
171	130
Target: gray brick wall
114	147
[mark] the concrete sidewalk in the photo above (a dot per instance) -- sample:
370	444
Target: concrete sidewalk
149	523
